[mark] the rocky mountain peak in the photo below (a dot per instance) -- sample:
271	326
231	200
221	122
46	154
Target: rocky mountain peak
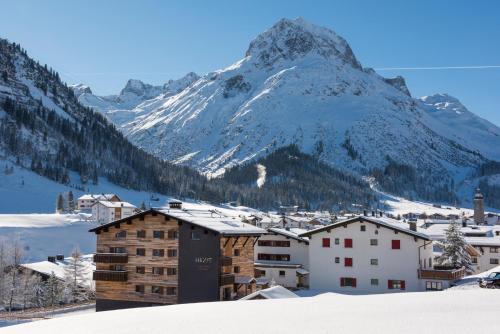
80	89
399	83
444	102
176	86
292	39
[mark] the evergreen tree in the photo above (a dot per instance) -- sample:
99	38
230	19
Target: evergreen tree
52	293
71	202
75	278
143	206
455	249
60	204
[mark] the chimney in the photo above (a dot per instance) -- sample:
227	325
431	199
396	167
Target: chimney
364	213
60	257
464	222
381	214
413	226
51	259
373	213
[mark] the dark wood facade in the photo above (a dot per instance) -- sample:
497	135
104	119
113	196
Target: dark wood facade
155	259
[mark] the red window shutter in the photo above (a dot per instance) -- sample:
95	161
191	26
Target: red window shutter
354	282
348	262
389	284
348	243
396	244
403	285
342	281
326	242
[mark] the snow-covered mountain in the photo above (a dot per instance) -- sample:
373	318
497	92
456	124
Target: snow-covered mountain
302	84
135	99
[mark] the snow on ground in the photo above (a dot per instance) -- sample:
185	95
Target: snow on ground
37	234
456	312
26	192
274	292
471	282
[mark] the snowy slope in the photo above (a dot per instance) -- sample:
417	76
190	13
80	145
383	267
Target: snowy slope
300	83
456	312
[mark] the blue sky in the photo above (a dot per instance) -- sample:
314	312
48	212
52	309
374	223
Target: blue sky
104	43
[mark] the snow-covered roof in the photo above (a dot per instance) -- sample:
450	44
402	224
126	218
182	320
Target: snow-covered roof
457	312
109	204
382	221
214	220
97	197
291	233
47	268
274	292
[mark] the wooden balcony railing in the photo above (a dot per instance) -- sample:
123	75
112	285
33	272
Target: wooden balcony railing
111	258
110	276
226	261
442	274
226	279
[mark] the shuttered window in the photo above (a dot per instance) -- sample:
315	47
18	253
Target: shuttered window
393	284
348	281
396	244
348	243
348	262
326	242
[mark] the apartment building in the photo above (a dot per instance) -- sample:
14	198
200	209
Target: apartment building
373	255
282	257
86	201
169	256
105	212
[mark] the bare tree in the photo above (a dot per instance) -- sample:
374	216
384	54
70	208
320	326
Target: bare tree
75	271
13	273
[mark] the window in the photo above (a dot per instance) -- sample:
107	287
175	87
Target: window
395	284
158	234
171	291
348	281
374	281
158	252
348	262
194	235
236	252
493	249
326	242
363	228
374	262
373	242
140	252
121	235
157	290
348	243
139	288
337	260
236	270
493	261
141	234
274	243
117	267
433	286
172	235
171	271
273	257
157	271
117	250
396	244
337	241
474	260
172	252
282	273
140	270
430	262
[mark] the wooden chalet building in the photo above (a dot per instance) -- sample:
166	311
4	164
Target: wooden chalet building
172	255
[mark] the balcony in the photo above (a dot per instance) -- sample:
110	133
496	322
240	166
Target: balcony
226	261
111	258
110	276
442	274
226	279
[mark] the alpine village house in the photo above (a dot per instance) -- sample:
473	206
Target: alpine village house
172	255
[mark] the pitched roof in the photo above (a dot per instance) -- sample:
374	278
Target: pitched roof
293	233
382	221
109	204
273	292
214	221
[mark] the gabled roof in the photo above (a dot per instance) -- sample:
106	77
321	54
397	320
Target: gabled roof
380	221
98	197
203	218
273	292
292	233
110	204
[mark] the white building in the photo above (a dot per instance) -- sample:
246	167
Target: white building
105	212
281	256
373	255
86	201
